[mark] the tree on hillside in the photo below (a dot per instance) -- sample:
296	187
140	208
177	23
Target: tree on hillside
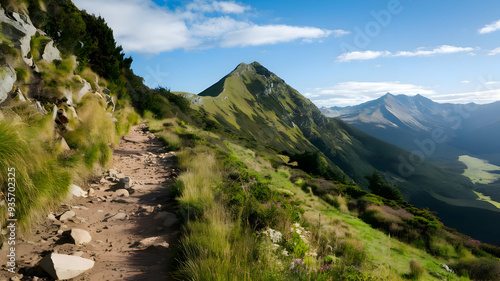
379	187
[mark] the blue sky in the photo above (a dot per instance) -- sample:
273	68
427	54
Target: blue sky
336	53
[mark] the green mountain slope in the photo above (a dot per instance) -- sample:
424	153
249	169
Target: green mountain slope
253	103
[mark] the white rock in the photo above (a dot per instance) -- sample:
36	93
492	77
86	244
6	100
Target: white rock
51	217
121	193
86	87
153	241
7	79
19	30
80	236
113	172
77	191
18	94
63	267
51	53
91	192
68	215
40	108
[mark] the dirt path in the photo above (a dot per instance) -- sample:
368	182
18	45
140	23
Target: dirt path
132	236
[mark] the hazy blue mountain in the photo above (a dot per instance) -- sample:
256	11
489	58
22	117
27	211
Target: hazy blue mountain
439	131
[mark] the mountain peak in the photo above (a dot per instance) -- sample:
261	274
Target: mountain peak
254	67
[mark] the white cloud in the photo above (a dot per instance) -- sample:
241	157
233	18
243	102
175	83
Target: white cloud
353	93
465	81
490	27
444	49
271	34
494	52
143	26
480	97
368	55
225	7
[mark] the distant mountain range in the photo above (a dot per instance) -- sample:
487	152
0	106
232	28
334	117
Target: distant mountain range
258	107
417	124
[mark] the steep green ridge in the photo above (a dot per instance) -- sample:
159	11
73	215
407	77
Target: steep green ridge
254	104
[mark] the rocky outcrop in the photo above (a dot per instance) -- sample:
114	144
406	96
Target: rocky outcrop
86	87
63	267
7	79
51	53
19	29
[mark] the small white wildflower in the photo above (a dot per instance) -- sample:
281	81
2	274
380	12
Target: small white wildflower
285	253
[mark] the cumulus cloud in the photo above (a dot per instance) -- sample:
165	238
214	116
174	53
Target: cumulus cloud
271	34
353	93
494	52
143	26
490	27
465	81
419	52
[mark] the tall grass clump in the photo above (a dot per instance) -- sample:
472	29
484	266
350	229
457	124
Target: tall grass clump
171	140
40	179
199	180
95	134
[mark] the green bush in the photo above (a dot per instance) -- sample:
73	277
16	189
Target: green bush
416	270
478	269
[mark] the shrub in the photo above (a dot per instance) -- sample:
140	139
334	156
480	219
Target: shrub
478	269
416	270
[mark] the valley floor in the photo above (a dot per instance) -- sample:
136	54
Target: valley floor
132	236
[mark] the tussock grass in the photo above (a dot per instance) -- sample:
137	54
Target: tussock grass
40	179
171	140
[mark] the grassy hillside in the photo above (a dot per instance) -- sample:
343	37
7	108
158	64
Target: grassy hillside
253	104
250	214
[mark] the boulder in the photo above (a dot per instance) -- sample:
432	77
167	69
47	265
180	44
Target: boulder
121	193
126	182
63	267
67	215
77	191
80	236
